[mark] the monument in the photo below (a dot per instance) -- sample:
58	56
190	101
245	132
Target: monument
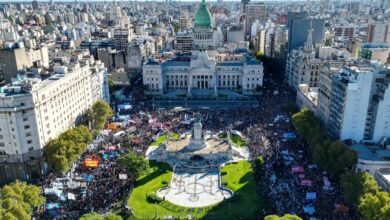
197	141
196	158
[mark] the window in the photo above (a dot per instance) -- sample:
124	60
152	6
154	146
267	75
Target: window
1	144
25	119
26	126
28	134
29	141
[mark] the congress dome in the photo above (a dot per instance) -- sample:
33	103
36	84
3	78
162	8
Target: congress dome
203	16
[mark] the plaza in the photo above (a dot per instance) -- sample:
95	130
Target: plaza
196	158
191	188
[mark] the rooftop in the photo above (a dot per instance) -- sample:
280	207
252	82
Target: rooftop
365	153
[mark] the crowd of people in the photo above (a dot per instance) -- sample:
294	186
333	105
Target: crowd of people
290	183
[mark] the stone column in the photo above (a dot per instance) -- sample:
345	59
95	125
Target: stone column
189	84
215	85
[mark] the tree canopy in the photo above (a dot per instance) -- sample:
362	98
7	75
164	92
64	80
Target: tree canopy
101	111
134	165
18	199
63	151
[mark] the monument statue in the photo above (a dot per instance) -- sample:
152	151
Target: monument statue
198	117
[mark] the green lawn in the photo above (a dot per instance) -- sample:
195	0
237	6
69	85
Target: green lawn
145	185
239	177
175	136
222	135
162	138
236	139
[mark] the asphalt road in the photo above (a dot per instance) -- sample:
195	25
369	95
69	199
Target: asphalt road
204	104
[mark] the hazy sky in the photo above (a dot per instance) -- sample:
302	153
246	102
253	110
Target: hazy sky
2	1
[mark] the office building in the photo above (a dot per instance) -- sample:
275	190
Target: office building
298	24
378	33
35	5
122	37
253	12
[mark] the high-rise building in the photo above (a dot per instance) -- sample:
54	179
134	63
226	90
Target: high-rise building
122	37
378	32
349	104
280	42
345	32
183	40
354	100
243	4
35	4
298	23
34	111
253	12
19	6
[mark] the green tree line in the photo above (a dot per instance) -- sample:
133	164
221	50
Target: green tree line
332	156
62	152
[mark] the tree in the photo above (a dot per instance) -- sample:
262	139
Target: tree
259	162
333	157
18	199
291	108
284	217
352	186
369	206
258	89
260	56
101	111
80	134
111	84
134	165
63	151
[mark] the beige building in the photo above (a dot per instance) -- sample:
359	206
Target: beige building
14	60
34	111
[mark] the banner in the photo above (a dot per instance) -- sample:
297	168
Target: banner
306	183
91	163
122	176
297	169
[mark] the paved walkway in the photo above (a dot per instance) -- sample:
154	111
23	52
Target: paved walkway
195	189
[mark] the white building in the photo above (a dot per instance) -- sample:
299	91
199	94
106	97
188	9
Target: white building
206	71
351	92
34	111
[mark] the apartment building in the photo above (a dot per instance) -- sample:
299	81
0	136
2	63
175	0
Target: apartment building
34	111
